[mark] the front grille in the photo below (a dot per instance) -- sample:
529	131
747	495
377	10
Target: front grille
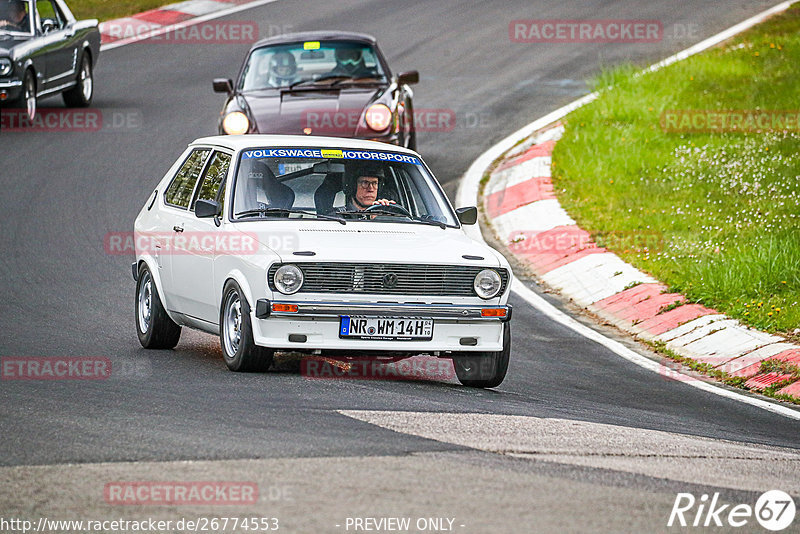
389	279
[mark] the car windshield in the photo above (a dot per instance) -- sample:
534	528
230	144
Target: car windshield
15	17
311	63
343	184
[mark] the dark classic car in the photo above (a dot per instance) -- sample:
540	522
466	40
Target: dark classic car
45	51
320	83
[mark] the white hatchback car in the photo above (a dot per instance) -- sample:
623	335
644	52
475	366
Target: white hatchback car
344	248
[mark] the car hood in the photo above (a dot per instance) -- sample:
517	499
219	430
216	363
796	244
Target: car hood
364	242
326	112
7	43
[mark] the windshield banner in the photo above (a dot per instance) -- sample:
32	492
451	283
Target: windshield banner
329	153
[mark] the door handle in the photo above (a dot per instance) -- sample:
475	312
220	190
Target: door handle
178	228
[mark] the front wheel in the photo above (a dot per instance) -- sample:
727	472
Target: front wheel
236	334
484	369
153	326
80	96
27	100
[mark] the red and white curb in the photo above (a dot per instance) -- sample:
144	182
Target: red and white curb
170	18
536	133
528	219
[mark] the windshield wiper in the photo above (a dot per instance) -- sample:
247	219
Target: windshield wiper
373	212
431	222
367	80
271	211
313	82
419	220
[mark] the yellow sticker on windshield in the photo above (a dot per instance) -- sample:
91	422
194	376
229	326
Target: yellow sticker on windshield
332	153
311	45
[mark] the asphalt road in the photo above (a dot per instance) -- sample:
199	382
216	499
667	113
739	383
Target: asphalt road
63	295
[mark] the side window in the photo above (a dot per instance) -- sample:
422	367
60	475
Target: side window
179	192
214	176
49	10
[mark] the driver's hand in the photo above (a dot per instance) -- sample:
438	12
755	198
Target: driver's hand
383	202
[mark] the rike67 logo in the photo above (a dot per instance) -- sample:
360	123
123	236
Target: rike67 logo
774	510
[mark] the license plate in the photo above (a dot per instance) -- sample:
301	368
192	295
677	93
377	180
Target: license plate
385	328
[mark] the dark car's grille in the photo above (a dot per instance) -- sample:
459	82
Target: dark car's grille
389	279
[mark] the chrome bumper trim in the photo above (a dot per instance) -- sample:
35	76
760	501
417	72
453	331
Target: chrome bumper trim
428	311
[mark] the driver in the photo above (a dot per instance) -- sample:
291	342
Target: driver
350	62
13	15
362	192
282	69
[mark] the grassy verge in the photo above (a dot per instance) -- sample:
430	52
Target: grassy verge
725	206
112	9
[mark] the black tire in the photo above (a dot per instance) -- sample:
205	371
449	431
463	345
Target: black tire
155	329
27	99
236	334
484	369
81	95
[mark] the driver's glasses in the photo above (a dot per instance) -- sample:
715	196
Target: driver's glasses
368	184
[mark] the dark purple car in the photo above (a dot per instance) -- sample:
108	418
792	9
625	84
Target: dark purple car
320	83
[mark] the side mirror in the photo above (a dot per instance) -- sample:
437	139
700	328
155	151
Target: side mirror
408	78
467	215
203	209
49	25
223	85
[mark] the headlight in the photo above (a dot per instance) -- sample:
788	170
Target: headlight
378	117
487	284
288	279
236	123
5	67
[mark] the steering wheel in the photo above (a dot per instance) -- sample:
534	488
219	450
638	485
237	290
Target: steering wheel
397	208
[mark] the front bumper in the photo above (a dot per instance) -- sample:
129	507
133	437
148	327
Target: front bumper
10	91
313	325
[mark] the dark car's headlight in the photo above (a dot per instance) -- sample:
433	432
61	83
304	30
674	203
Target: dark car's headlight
236	123
378	117
5	66
487	284
288	279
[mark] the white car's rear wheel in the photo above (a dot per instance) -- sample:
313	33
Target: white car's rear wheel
236	334
484	369
153	326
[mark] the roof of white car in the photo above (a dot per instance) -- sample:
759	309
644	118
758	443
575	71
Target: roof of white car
242	142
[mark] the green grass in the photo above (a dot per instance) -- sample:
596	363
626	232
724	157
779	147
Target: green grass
112	9
724	207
